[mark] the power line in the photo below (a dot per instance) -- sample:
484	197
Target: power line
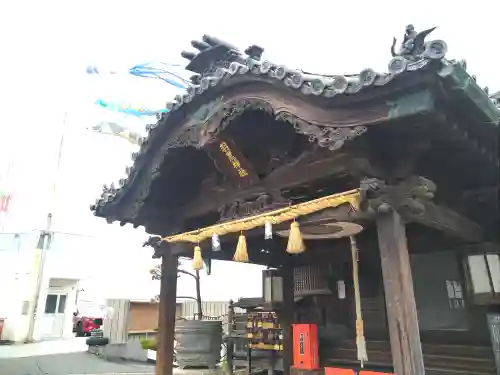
53	232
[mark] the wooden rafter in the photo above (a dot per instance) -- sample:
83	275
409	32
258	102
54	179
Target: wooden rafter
302	170
448	221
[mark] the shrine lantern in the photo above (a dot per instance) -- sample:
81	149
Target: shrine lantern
272	285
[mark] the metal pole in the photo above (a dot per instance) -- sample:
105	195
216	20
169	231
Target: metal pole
45	237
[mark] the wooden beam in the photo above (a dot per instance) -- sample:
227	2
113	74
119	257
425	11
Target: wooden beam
329	215
177	249
304	169
256	241
482	195
340	213
447	221
166	315
399	296
412	199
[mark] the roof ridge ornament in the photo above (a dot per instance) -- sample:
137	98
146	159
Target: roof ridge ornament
414	48
213	51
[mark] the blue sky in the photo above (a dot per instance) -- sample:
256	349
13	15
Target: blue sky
47	45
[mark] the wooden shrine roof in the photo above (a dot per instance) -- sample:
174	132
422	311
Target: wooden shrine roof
496	98
330	109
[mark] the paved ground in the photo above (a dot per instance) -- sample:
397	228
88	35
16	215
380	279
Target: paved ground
67	357
70	364
43	348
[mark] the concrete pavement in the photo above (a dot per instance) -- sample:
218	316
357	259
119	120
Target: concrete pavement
43	348
70	364
68	357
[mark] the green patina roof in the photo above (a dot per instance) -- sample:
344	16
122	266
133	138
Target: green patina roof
464	86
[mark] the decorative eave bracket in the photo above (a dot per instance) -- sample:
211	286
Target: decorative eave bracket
411	198
162	248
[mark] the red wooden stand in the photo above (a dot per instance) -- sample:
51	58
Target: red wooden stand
346	371
305	346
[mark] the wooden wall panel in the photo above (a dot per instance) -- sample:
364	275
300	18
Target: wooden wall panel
116	322
143	317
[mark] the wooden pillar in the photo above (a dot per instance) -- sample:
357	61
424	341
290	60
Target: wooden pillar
286	318
166	316
399	296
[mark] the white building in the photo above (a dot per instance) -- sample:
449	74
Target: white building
19	258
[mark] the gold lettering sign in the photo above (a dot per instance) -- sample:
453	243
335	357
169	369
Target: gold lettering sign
242	172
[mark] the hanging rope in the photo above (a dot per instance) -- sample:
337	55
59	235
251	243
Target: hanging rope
278	216
295	242
360	335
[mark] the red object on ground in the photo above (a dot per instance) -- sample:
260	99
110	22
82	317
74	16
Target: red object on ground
305	346
338	371
83	325
2	320
91	323
346	371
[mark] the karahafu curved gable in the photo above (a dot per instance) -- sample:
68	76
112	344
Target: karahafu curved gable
229	82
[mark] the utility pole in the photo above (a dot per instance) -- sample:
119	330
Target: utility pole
5	196
44	242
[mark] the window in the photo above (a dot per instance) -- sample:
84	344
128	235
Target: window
26	307
494	266
62	304
479	274
51	304
55	303
484	276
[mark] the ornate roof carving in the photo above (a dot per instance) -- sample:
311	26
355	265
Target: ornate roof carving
220	67
496	98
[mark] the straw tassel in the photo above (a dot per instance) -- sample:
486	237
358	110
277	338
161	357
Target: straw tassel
197	259
360	335
295	241
241	253
361	343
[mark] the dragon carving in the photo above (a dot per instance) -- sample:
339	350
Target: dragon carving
413	46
